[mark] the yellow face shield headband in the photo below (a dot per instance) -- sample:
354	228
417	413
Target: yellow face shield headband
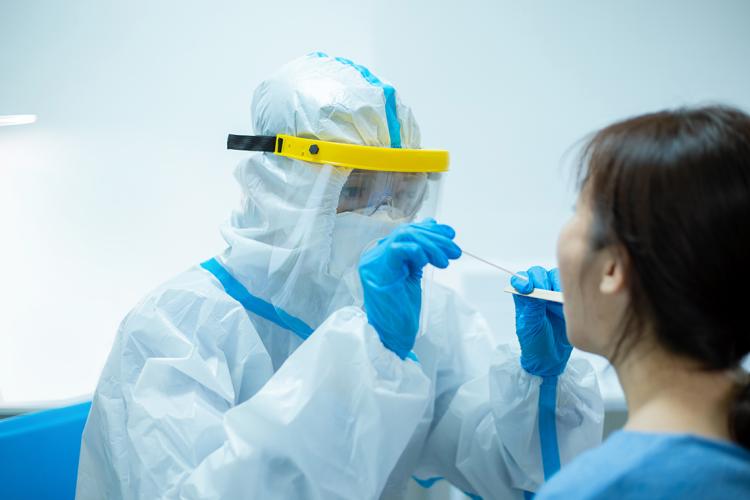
344	155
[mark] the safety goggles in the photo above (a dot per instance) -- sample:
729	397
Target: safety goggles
344	155
400	194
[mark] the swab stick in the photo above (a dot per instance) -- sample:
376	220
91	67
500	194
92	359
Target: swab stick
537	293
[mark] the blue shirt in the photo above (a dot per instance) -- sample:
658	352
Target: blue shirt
654	466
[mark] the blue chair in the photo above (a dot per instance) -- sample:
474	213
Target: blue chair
39	453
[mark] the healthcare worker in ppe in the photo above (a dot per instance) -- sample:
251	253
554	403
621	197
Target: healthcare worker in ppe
257	374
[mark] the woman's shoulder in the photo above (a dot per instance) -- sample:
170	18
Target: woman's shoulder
640	465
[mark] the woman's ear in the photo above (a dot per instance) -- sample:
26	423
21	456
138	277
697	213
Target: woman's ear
614	271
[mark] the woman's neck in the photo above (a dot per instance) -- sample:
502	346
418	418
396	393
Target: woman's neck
671	394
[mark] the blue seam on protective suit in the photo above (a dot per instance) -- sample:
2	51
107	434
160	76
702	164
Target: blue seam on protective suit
391	114
264	309
412	356
527	495
548	426
427	483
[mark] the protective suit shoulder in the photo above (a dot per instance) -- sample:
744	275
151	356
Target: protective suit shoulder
190	322
191	286
185	355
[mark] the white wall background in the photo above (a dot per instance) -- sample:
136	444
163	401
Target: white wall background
123	180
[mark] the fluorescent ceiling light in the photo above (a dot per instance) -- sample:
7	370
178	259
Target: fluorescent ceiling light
16	119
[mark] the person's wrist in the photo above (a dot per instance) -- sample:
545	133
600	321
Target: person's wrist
525	364
391	343
548	371
543	367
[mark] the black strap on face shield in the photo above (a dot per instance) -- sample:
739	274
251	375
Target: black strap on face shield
263	143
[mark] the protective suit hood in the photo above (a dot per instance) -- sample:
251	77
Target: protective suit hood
283	233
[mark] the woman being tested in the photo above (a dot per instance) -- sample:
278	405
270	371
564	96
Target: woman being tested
654	264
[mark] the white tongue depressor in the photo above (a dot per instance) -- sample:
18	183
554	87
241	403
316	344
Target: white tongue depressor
538	293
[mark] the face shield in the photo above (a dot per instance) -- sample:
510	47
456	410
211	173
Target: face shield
345	198
339	167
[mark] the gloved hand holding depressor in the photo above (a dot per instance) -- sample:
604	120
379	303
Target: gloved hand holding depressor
540	325
391	276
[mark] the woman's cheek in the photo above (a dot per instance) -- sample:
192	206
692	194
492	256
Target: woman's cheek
570	253
564	258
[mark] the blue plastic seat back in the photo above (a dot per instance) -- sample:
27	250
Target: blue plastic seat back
39	453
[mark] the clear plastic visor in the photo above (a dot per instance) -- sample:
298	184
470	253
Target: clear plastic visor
401	196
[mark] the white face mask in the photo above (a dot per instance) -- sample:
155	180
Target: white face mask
353	233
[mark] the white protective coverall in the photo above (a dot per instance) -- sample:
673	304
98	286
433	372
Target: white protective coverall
214	390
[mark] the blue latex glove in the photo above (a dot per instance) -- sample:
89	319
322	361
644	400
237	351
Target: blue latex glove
540	325
391	275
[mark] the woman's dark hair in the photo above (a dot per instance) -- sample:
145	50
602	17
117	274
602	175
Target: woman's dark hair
673	190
